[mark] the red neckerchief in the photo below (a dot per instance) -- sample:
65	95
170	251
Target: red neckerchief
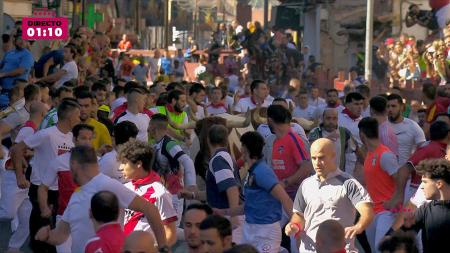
150	178
253	100
350	114
31	124
171	109
217	106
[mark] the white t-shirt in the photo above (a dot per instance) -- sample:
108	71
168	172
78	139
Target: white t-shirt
141	120
71	69
307	113
352	125
24	133
246	103
409	136
50	176
160	197
419	198
200	114
229	101
77	211
215	110
111	167
48	144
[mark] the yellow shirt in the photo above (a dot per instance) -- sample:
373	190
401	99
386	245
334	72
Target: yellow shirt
101	133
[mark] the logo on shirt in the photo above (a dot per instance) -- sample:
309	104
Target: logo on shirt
281	149
63	148
250	180
374	160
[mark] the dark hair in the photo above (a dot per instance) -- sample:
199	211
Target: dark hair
278	99
73	50
105	207
174	94
395	97
117	90
83	155
77	129
429	90
67	105
353	96
363	90
82	94
435	169
400	240
438	130
302	92
369	127
99	86
242	248
123	131
173	86
196	88
135	151
31	91
254	143
162	99
200	206
129	86
220	223
218	135
332	90
255	84
159	117
378	104
279	114
71	83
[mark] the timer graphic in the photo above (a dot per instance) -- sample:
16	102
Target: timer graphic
45	28
42	32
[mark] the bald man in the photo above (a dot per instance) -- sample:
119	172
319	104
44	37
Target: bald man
330	237
329	194
139	242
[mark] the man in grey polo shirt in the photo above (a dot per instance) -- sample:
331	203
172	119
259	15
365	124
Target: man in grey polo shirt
329	194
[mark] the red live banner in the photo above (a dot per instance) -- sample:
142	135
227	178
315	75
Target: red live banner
45	28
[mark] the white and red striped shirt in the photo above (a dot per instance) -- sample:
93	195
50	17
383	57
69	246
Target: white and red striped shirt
154	192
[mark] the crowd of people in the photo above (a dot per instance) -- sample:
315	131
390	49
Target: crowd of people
410	60
100	154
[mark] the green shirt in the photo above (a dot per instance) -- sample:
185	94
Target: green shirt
50	119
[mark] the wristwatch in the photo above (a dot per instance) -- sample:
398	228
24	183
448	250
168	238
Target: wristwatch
164	249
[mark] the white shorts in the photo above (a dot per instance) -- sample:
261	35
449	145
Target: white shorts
237	232
266	238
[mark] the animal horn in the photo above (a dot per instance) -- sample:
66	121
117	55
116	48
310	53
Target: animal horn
258	118
240	124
